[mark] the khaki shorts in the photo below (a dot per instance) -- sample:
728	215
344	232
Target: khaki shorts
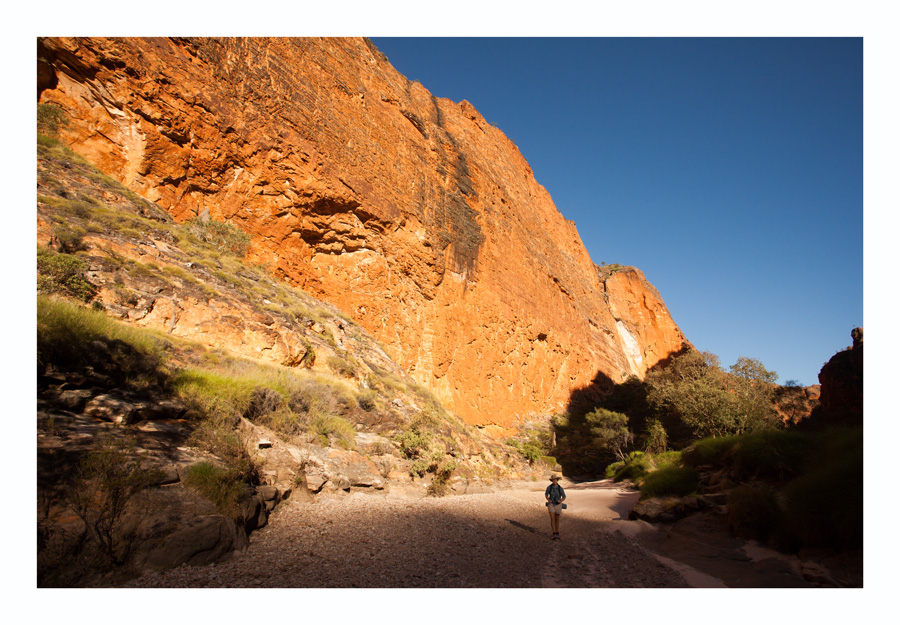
557	509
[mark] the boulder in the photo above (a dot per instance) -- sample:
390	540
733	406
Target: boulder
202	541
663	509
342	469
73	399
269	495
114	408
338	482
125	408
315	479
254	513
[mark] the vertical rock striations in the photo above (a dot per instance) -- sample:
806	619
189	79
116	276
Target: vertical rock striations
409	212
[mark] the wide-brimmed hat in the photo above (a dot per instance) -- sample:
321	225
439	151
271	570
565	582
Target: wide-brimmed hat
554	476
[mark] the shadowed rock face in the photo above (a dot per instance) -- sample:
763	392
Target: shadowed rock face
409	212
841	402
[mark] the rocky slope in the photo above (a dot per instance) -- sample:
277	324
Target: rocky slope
410	213
170	370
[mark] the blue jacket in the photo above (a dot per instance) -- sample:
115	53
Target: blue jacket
555	492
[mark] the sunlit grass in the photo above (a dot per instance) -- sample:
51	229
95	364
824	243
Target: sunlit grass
65	331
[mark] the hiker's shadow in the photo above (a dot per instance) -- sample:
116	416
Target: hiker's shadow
522	526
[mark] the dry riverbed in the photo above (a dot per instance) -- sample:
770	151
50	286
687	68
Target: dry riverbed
493	540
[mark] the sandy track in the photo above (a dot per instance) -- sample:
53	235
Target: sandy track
497	540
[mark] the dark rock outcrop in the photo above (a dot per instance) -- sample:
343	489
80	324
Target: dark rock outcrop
841	400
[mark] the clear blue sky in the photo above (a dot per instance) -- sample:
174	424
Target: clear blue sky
729	170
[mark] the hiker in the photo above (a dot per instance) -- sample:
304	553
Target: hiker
555	495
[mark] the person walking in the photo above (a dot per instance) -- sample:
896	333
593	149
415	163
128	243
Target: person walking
555	495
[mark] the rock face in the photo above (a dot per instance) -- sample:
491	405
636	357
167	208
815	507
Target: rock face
410	213
645	328
841	401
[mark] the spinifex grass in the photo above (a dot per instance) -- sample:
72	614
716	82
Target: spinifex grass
68	336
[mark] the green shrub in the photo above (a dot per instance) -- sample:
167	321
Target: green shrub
53	149
77	208
309	358
440	483
825	504
367	400
609	431
218	436
50	119
139	269
391	384
639	464
179	272
611	469
550	461
220	485
674	481
764	454
124	296
107	480
413	443
530	450
68	239
709	451
423	465
341	366
48	142
636	466
221	236
816	477
333	428
754	513
657	439
63	274
285	422
131	233
666	459
775	454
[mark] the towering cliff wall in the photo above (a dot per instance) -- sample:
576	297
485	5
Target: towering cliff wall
409	212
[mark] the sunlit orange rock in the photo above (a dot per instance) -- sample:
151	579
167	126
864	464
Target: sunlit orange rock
409	212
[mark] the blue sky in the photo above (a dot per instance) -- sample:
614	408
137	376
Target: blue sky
729	170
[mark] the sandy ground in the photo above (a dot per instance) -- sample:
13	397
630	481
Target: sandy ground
604	501
495	540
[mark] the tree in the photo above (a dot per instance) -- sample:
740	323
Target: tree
710	400
657	440
609	430
753	387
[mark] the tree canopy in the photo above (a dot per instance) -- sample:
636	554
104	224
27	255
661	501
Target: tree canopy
710	400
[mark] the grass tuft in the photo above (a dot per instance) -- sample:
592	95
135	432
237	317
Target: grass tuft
70	336
674	481
220	485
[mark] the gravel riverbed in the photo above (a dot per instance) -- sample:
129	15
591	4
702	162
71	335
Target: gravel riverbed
492	540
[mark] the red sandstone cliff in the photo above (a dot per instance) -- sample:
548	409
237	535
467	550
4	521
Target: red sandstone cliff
409	212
